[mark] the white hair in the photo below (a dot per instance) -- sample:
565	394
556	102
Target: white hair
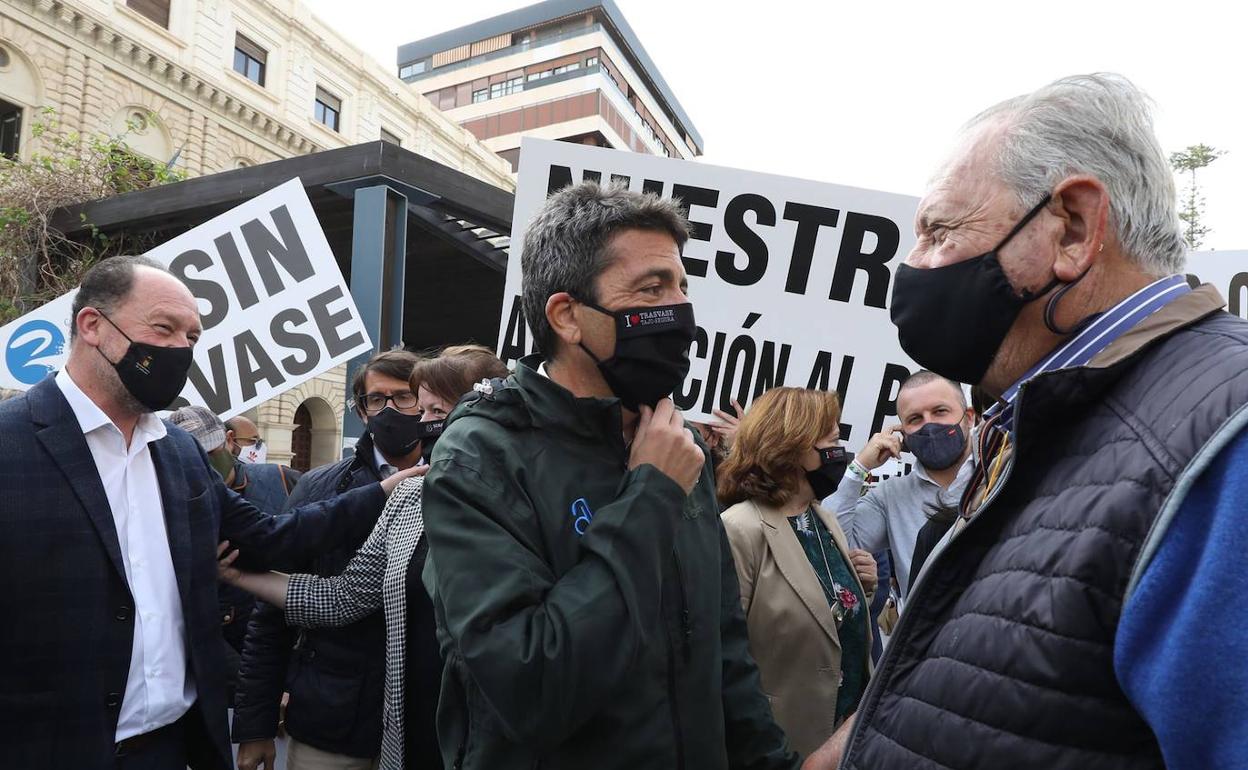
1101	125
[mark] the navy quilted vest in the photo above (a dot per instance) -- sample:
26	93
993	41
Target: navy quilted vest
1003	659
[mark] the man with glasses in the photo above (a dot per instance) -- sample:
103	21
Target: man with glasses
334	676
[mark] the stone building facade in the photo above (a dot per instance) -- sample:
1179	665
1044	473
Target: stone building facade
215	85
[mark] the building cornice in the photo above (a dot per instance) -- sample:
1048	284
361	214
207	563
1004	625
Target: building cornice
125	50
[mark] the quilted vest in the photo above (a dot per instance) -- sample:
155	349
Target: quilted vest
1004	655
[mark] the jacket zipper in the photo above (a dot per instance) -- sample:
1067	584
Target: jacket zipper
673	699
686	632
686	622
463	742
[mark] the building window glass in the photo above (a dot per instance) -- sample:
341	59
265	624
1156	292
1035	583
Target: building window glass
386	136
10	129
328	108
249	59
591	61
156	10
412	68
480	96
513	86
576	65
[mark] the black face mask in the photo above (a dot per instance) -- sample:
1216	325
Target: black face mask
429	432
154	375
827	477
651	352
953	319
394	433
936	445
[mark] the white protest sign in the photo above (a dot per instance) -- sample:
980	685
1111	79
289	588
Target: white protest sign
275	309
790	279
1228	271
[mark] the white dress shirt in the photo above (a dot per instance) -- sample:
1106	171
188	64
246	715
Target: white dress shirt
159	688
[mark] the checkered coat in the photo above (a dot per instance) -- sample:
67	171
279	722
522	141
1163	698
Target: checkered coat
376	577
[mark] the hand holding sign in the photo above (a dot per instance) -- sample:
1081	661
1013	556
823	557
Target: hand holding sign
728	424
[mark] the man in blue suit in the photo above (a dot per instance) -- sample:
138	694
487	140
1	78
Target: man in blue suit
110	655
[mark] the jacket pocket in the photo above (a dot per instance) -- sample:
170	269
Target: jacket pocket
329	706
454	721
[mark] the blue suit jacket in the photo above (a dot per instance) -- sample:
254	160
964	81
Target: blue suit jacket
66	612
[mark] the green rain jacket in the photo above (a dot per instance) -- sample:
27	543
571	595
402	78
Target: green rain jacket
589	615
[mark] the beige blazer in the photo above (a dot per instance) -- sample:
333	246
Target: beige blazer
792	632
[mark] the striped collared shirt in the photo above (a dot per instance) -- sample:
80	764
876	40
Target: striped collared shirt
994	441
1097	336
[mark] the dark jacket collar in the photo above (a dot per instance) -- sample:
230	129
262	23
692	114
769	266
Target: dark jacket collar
364	454
550	405
240	476
58	430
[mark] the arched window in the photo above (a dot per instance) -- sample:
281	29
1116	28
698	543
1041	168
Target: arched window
301	440
21	95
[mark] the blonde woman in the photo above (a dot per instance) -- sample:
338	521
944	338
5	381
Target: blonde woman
806	595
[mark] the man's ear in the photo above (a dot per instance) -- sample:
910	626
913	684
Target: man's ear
1082	202
88	323
561	315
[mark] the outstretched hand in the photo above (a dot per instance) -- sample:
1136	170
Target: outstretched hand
226	572
388	485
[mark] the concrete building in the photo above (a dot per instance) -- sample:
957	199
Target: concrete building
221	84
561	69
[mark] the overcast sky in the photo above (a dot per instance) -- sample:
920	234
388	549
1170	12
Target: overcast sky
870	93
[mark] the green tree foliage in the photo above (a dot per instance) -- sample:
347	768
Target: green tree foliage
1192	205
37	263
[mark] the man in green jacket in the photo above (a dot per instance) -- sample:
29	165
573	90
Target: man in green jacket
586	597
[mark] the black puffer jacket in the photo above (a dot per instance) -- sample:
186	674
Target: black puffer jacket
335	676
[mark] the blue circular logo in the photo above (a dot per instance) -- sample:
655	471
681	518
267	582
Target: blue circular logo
31	350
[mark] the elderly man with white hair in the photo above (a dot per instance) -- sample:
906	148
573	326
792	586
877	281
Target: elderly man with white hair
1077	616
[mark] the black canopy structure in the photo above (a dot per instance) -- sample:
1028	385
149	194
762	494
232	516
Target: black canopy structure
422	246
454	237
